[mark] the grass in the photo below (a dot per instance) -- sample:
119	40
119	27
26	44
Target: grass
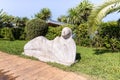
14	48
99	63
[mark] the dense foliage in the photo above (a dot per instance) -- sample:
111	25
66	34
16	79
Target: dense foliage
12	33
109	34
78	14
56	31
53	32
36	27
19	33
82	36
44	14
7	33
101	11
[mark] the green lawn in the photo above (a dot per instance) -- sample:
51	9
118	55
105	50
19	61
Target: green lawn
13	47
99	63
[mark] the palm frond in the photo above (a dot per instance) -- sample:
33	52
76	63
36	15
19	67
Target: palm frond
100	12
2	14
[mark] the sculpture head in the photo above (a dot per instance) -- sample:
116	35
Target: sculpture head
66	33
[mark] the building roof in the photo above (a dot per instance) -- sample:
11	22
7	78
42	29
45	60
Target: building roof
54	23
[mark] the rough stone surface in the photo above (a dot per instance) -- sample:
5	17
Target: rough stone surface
60	50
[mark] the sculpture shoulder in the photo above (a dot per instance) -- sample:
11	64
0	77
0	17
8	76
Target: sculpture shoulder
57	38
40	37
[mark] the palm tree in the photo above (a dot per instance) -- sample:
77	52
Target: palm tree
84	10
100	12
2	14
5	19
20	21
8	20
80	13
44	14
62	18
73	16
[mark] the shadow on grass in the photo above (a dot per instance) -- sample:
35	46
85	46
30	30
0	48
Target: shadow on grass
103	51
78	57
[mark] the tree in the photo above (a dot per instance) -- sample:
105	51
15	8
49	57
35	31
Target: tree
20	22
100	12
6	20
62	18
44	14
84	10
2	15
80	13
73	17
118	22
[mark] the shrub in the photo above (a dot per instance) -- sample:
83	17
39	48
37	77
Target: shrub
12	33
1	36
81	33
56	31
11	36
82	36
110	34
17	33
35	27
23	36
7	33
53	32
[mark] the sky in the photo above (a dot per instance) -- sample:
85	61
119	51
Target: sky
28	8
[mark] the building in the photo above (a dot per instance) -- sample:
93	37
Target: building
54	23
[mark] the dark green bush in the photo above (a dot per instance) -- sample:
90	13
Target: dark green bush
7	33
17	33
3	32
35	27
81	33
56	31
110	34
11	36
53	32
23	36
12	33
82	37
1	36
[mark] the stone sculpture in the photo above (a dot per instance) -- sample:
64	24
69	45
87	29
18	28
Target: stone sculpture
60	50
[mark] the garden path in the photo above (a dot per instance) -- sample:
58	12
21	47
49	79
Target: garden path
27	69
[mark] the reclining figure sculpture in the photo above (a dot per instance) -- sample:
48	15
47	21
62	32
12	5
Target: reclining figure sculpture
61	50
